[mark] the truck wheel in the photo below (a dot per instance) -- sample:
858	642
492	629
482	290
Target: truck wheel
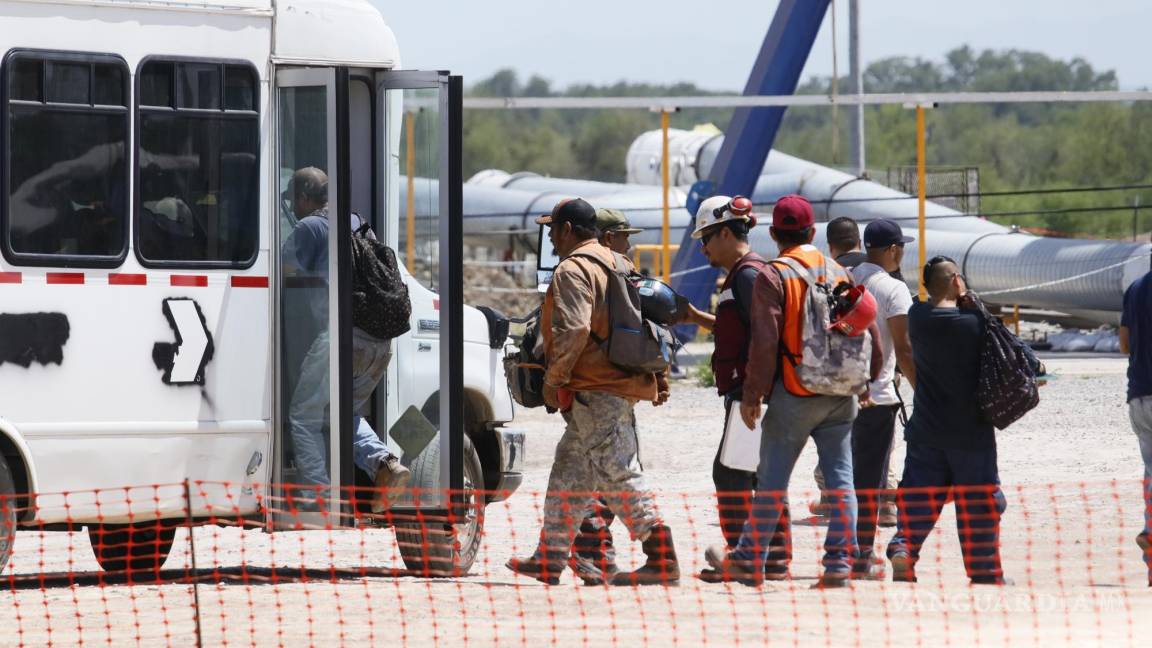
436	547
7	513
138	549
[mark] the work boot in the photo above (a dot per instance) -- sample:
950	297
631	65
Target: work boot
593	558
661	567
547	572
869	567
903	567
727	569
391	479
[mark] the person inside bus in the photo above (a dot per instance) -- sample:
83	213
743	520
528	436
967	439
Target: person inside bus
306	255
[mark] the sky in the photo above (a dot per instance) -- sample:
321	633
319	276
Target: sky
713	43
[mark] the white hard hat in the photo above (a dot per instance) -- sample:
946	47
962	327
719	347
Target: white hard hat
721	209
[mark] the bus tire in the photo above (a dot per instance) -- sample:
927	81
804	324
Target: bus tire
137	550
7	513
436	548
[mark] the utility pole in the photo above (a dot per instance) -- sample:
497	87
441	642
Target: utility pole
855	70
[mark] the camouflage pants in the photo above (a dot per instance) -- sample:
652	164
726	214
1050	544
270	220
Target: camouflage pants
598	456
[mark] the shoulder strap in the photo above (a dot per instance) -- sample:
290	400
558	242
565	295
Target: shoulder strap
799	269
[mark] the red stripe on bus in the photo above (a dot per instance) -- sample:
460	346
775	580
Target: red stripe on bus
249	282
190	281
127	279
71	278
11	277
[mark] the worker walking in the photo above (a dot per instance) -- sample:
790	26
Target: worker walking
722	225
599	451
788	354
1136	341
875	425
951	447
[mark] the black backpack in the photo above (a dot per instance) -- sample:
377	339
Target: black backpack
1007	389
380	304
524	369
635	343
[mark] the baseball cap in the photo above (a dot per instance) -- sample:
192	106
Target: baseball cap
883	232
792	213
570	210
614	220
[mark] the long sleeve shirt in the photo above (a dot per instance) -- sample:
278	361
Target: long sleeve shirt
765	328
575	308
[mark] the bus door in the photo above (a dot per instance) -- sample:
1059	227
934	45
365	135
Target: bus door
419	143
351	126
306	256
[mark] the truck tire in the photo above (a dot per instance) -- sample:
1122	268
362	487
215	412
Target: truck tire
139	550
7	513
435	547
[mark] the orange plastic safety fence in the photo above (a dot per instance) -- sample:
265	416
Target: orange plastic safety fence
195	564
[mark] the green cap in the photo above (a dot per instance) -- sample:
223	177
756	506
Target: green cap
613	220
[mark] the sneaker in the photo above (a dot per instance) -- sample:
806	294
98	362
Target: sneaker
903	567
390	482
776	571
746	572
870	568
993	580
819	508
887	516
592	571
1144	542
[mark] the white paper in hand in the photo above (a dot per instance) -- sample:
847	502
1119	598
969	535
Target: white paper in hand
740	449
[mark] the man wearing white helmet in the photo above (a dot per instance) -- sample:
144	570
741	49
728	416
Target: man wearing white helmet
722	225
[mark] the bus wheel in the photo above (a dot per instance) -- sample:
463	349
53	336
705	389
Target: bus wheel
7	513
139	550
438	547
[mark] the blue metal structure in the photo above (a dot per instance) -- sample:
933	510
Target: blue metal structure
749	137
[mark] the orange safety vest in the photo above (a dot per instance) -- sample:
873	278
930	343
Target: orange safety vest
795	293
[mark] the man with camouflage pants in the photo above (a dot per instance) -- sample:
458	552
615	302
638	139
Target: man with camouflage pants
599	452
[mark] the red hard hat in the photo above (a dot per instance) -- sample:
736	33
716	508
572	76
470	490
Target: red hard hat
858	316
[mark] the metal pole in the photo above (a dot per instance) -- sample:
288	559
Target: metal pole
856	72
835	90
666	230
410	159
921	194
1135	216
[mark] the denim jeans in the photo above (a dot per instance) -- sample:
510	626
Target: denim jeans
1140	412
787	425
972	477
306	414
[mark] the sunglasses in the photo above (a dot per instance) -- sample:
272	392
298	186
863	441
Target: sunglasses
704	238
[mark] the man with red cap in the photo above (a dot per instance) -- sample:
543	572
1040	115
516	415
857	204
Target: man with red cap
794	413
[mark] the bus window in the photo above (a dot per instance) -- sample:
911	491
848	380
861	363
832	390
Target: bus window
67	122
198	161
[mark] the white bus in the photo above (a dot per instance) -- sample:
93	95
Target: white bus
151	334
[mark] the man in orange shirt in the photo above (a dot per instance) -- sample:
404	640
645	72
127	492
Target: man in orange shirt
599	452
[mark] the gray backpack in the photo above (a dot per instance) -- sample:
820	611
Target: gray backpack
634	343
830	363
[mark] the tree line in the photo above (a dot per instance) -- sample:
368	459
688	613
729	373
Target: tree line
1017	148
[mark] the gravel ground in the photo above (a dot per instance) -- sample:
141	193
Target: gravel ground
1070	470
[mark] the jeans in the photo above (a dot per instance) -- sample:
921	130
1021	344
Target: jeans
872	434
1140	412
787	425
734	490
306	414
930	474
